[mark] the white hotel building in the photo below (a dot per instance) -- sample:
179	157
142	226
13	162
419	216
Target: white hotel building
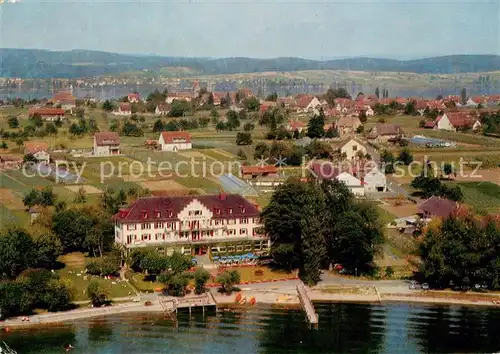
196	225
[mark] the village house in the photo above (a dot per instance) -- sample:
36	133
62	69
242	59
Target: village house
106	144
10	162
265	105
343	105
348	125
352	149
175	141
252	172
383	132
124	109
162	109
286	102
65	100
437	207
296	125
39	150
327	171
134	97
307	104
373	179
48	113
192	225
179	96
454	121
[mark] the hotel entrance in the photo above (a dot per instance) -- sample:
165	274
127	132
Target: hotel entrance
200	250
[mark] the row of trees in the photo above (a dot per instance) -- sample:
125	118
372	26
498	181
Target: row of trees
430	185
312	225
461	251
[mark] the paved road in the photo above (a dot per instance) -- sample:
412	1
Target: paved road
391	184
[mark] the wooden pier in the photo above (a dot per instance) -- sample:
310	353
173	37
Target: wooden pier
307	305
205	301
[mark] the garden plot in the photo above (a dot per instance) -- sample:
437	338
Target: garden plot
87	188
9	200
166	185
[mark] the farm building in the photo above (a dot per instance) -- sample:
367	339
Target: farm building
106	144
39	149
47	113
174	141
252	172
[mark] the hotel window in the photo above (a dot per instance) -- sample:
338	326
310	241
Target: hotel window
144	214
231	232
158	214
158	225
169	225
243	210
219	222
158	236
131	227
170	213
243	221
146	237
230	210
231	221
194	212
145	226
243	231
217	211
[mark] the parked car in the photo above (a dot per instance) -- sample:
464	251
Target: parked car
414	285
425	286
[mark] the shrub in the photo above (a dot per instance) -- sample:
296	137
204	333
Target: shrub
201	277
228	279
97	294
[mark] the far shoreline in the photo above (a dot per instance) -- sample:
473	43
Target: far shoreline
269	298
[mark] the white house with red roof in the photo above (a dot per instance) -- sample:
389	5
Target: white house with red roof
191	224
124	109
175	141
454	121
307	104
134	97
106	144
294	125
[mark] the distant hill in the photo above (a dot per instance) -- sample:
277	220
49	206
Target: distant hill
33	63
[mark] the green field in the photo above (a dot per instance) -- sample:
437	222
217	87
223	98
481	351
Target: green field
206	184
483	197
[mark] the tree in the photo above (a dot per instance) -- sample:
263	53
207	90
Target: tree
108	106
448	170
405	157
203	122
18	253
97	294
313	225
13	122
4	145
377	92
47	197
153	263
272	97
241	155
248	127
319	149
362	116
251	104
31	199
463	96
410	108
243	138
131	129
462	250
50	128
179	108
201	277
158	126
315	127
233	120
228	280
214	114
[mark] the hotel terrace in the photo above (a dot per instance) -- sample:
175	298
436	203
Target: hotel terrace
196	225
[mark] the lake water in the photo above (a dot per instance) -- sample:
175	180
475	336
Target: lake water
343	328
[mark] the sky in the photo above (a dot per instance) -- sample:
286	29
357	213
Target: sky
398	29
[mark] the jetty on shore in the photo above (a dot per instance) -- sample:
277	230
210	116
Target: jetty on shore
205	301
307	305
